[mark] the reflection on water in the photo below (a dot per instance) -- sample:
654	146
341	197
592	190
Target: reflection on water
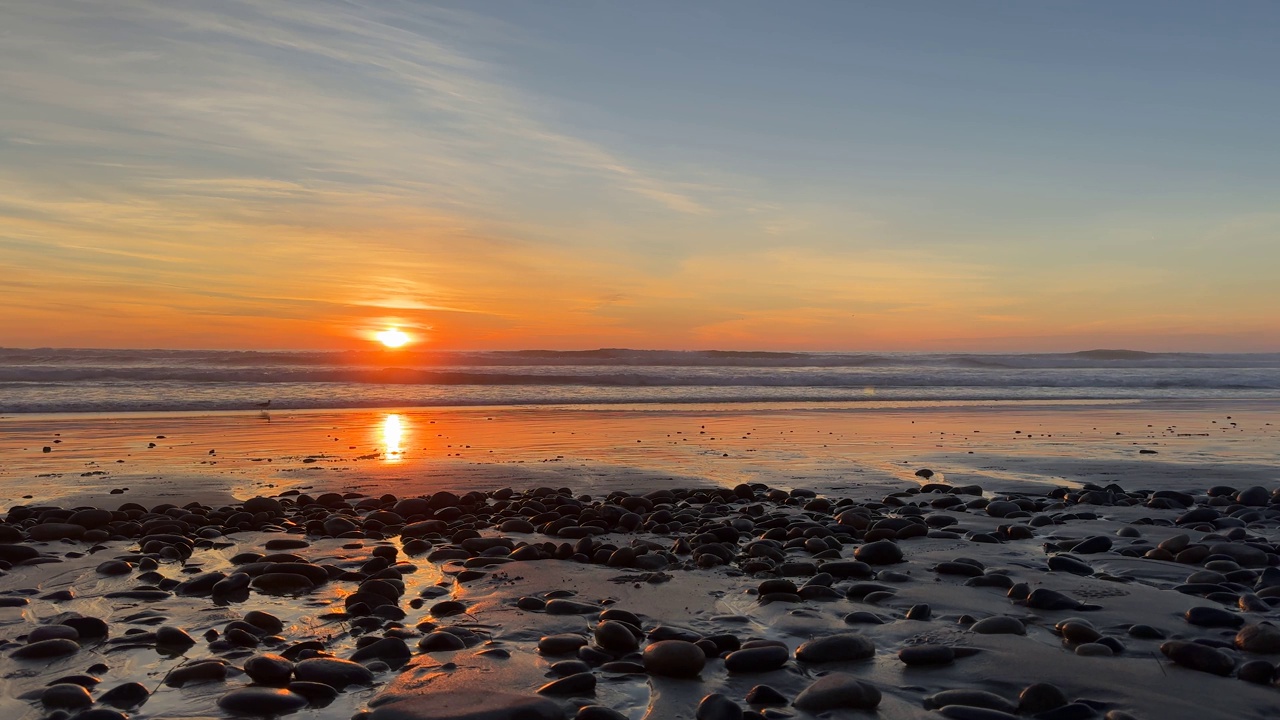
393	438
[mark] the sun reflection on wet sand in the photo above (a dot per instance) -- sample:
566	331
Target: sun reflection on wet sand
393	432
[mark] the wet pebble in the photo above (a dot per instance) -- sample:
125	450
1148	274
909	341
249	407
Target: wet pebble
675	658
838	690
261	701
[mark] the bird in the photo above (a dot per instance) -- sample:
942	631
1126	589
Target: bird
266	404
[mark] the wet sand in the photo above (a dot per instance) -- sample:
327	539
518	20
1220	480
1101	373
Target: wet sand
1065	501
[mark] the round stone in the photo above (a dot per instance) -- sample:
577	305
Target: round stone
269	669
67	696
615	637
835	648
333	672
1263	638
880	552
261	701
838	690
674	658
999	625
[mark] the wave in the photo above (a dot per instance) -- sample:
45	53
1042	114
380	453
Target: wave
621	357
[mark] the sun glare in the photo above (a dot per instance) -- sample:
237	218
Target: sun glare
393	437
393	338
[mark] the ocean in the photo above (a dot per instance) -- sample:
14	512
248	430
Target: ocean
105	381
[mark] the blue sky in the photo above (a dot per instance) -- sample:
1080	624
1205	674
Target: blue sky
817	175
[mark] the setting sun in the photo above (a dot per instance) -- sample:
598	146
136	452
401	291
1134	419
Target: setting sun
392	338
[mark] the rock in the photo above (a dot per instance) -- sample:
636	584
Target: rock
880	552
51	632
999	625
45	649
114	567
674	658
269	669
266	622
757	659
1068	564
562	644
487	704
277	583
1093	545
718	707
838	690
615	637
765	695
441	642
55	531
1246	555
200	672
971	698
333	672
834	648
261	504
1263	638
578	684
1259	672
1040	697
598	712
318	695
388	648
126	697
560	606
261	701
173	637
1213	617
67	696
1198	657
927	655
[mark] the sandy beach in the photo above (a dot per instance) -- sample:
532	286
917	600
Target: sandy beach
956	560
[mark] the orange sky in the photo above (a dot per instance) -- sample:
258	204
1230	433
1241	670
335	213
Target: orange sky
302	175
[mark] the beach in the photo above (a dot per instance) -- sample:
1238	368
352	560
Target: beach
699	525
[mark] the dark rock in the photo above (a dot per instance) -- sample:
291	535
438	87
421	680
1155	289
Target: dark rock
261	701
838	690
333	672
674	658
835	648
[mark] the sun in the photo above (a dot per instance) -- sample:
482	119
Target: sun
392	338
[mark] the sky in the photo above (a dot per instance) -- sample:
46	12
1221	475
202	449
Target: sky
733	174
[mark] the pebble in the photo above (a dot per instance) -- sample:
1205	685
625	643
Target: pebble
333	672
199	672
269	669
1263	638
1040	697
578	684
261	701
927	655
880	552
1198	657
675	658
757	659
999	625
718	707
836	691
67	696
834	648
126	696
614	636
971	698
45	649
